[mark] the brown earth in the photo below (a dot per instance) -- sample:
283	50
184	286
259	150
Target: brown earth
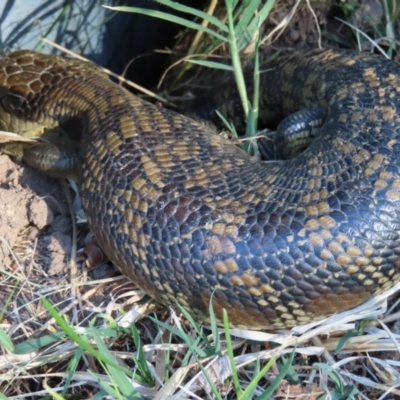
35	223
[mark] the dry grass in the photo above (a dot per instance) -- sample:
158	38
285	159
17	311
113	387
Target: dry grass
37	359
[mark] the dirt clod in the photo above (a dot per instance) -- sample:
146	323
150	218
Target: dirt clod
32	207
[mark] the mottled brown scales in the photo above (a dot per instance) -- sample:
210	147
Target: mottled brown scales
312	211
344	259
392	194
325	254
327	235
189	217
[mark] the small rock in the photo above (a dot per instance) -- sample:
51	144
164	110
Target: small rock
39	213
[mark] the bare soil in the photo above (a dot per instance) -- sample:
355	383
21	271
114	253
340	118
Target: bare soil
35	223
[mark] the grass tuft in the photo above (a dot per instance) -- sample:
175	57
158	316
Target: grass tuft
53	343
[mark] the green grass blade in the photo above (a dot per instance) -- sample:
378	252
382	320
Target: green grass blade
255	24
252	119
100	395
333	374
190	341
6	341
196	347
256	95
275	383
35	344
197	13
167	359
168	17
231	128
102	332
57	21
235	376
199	330
206	374
212	64
341	391
78	339
252	389
245	19
247	146
121	382
193	344
105	386
140	359
191	320
357	331
51	391
7	302
231	3
335	38
71	368
264	12
236	62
